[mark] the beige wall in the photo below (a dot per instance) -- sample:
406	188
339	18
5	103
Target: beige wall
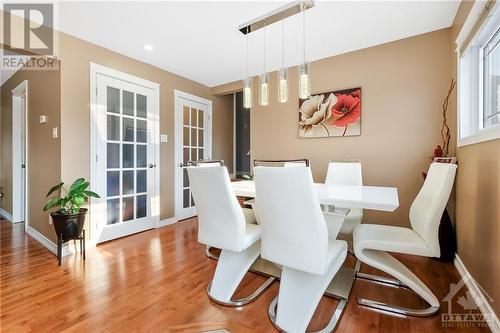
478	199
222	129
44	165
403	86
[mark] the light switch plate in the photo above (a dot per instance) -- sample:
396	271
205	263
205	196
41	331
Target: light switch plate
43	119
163	138
54	133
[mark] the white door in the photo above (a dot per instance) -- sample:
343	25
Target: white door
24	186
126	135
19	153
193	142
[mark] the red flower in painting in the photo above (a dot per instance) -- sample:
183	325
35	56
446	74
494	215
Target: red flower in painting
347	110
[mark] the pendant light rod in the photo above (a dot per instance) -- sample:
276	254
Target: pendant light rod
275	16
283	43
247	55
304	36
264	46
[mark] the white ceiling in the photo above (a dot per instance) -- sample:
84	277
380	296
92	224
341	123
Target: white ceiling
200	40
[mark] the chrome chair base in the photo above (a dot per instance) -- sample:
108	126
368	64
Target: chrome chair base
330	327
389	307
381	280
210	254
399	309
244	300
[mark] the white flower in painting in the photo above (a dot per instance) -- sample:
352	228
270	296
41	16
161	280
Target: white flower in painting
314	111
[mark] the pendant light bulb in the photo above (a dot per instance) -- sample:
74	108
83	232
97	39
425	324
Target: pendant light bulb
283	85
247	93
283	71
264	89
304	82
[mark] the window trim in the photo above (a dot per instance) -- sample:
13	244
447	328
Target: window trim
480	134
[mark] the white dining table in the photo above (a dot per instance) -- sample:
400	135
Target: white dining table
345	196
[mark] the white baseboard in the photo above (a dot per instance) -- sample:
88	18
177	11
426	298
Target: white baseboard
67	249
40	238
5	215
477	294
169	221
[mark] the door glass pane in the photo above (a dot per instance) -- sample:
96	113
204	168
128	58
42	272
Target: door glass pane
185	114
113	183
185	156
113	155
113	211
142	127
194	155
128	156
200	118
194	117
186	136
200	138
185	178
141	106
141	181
185	198
128	129
128	182
141	206
200	154
141	156
128	103
128	208
113	100
193	137
113	128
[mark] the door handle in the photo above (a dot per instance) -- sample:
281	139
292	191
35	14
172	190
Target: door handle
152	165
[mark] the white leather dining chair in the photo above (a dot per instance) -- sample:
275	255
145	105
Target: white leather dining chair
373	242
286	164
294	235
343	173
222	224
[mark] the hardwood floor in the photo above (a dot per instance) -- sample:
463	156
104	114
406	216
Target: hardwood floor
155	281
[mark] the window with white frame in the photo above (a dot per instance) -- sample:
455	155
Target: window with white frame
478	46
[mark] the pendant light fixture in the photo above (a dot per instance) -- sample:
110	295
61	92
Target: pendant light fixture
264	78
283	71
304	82
262	22
247	87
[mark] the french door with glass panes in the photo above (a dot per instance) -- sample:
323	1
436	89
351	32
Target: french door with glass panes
193	143
125	160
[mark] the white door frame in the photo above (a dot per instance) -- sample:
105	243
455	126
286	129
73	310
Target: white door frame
20	181
95	71
178	138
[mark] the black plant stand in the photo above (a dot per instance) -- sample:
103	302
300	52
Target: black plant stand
60	242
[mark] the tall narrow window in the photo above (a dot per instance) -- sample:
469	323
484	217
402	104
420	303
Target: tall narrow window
491	66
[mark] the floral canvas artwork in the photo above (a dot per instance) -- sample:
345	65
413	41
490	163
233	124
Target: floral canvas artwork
336	113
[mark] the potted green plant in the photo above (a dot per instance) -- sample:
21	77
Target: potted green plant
70	217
